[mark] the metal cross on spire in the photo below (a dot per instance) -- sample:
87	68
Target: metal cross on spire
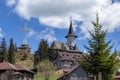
25	30
71	18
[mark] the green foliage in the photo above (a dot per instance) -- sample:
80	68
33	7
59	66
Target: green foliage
25	56
100	58
26	62
41	53
43	50
3	52
11	55
46	69
40	78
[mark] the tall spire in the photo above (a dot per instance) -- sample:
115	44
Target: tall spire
71	31
71	37
71	28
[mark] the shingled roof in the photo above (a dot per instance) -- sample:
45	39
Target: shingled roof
69	55
67	72
17	67
21	68
7	66
59	45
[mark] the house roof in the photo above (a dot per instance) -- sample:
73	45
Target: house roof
67	72
21	68
17	73
117	77
59	45
71	70
70	55
7	66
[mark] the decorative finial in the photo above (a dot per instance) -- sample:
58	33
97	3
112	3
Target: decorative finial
71	18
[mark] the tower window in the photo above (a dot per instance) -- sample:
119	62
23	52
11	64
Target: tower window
67	55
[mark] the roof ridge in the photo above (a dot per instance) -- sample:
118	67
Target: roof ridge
75	67
12	66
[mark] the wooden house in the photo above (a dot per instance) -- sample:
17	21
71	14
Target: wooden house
9	71
68	59
76	73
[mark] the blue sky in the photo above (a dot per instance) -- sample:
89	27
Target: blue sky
49	19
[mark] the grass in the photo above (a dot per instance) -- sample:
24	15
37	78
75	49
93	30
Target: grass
40	78
55	75
28	63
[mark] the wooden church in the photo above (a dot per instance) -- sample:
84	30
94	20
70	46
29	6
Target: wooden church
68	60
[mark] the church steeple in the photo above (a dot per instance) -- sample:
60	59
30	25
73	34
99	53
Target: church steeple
71	29
71	37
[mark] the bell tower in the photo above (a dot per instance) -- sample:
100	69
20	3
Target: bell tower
71	37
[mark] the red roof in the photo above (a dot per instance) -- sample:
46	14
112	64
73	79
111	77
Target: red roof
17	73
7	66
21	68
117	77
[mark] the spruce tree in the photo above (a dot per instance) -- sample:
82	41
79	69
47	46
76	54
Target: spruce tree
101	59
11	55
3	52
43	50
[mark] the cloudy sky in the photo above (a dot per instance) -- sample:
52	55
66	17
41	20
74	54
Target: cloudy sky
50	19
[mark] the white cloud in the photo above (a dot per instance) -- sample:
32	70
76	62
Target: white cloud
56	13
47	34
31	33
110	17
10	3
1	33
56	22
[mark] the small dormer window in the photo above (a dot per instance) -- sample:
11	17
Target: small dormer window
67	55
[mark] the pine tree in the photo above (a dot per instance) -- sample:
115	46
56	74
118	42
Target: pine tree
16	47
100	60
42	53
11	55
43	50
3	52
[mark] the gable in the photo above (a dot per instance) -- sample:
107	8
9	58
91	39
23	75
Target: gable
79	72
